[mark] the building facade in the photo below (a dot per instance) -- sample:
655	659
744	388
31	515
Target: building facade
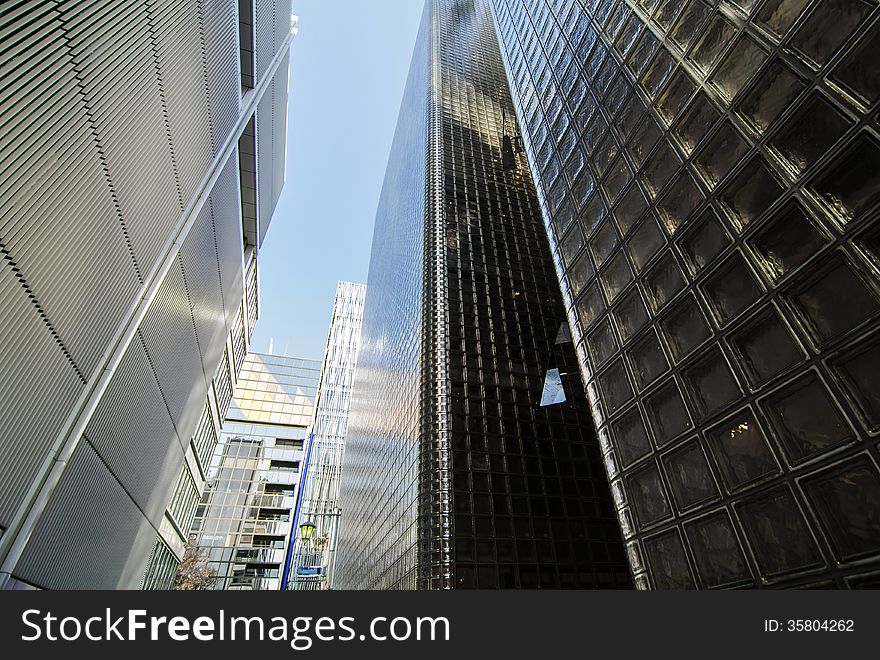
245	516
143	157
471	459
312	560
709	172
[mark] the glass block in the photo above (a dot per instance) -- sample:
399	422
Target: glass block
645	242
667	414
804	418
580	273
847	501
688	24
685	327
859	72
604	243
834	299
669	566
712	43
765	347
571	244
602	343
717	552
704	241
787	241
689	476
827	26
852	186
641	54
809	133
647	360
633	115
644	139
590	306
605	153
731	289
631	314
660	168
779	535
630	208
666	12
779	15
741	450
627	38
738	67
774	90
859	370
594	133
616	276
674	97
720	154
664	281
615	386
751	192
594	212
677	204
619	175
696	122
631	439
657	72
711	384
647	495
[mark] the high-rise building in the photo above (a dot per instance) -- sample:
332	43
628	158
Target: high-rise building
312	560
471	459
243	522
710	176
143	154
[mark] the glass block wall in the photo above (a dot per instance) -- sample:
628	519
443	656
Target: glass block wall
510	493
709	172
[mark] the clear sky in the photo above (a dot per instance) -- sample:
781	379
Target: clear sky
348	67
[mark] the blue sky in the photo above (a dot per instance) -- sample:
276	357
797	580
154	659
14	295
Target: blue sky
348	67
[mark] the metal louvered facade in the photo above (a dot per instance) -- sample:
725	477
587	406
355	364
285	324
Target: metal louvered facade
123	262
708	171
456	473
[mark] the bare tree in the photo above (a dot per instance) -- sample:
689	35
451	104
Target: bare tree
194	574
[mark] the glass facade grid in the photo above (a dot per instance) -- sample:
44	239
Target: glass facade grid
708	176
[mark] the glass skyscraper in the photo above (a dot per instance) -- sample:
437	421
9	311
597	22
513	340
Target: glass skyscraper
710	175
312	560
471	459
143	154
245	517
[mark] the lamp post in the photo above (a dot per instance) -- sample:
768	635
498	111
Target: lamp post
306	530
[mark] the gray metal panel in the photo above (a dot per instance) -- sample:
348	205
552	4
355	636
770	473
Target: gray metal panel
47	135
114	59
271	138
91	534
133	434
201	273
266	41
29	426
182	78
221	65
169	335
225	203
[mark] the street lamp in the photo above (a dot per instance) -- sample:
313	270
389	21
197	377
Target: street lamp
306	530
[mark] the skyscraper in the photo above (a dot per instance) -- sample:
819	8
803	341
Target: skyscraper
471	459
244	520
312	560
143	155
710	176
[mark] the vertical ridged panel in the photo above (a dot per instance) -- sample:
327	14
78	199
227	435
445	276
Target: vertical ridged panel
169	336
90	534
132	432
177	28
201	272
271	140
114	59
225	204
29	426
221	62
64	233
